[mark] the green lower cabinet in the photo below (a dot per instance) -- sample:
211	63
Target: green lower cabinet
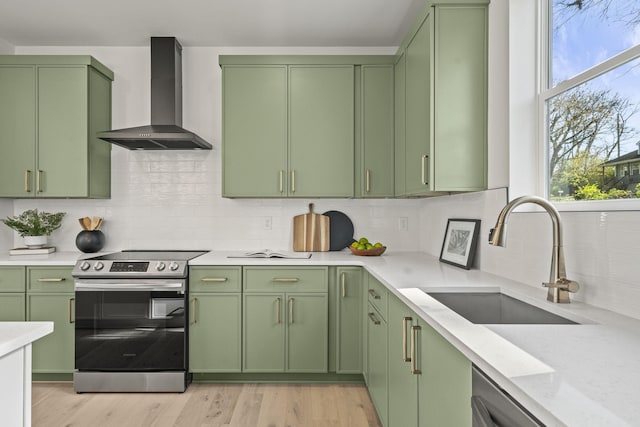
12	294
12	307
214	332
444	386
377	363
348	298
429	379
53	353
403	383
263	333
307	332
285	332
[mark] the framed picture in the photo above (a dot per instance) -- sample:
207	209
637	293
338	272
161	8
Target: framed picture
460	241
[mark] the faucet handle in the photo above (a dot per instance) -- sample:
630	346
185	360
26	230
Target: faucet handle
564	284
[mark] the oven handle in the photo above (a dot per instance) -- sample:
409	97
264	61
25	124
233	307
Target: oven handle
127	286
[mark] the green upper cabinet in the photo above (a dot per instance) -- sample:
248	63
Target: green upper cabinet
321	146
445	102
50	110
254	151
18	124
290	125
399	95
374	145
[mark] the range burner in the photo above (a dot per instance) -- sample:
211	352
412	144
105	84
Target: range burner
136	263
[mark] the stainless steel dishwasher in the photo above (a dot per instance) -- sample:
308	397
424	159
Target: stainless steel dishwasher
492	407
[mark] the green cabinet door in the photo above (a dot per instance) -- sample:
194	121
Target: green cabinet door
400	148
377	133
460	97
307	332
12	306
18	136
403	384
214	332
254	150
445	381
349	341
62	131
263	333
55	352
377	363
418	110
321	131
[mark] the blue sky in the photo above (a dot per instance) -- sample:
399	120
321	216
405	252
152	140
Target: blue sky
586	39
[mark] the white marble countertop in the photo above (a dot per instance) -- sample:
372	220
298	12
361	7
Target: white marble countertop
14	335
55	258
566	375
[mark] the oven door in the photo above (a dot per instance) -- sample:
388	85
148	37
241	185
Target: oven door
130	325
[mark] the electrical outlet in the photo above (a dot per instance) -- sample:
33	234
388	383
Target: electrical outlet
403	223
267	223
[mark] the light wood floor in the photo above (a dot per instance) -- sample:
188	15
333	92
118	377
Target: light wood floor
210	405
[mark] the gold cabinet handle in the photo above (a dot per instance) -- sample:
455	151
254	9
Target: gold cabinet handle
194	310
374	294
291	310
278	301
39	181
414	338
52	279
281	181
27	178
343	284
214	279
293	180
374	319
367	187
405	355
71	316
423	172
285	279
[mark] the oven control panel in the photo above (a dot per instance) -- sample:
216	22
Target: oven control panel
106	268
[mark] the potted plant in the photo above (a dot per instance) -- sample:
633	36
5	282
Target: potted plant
35	226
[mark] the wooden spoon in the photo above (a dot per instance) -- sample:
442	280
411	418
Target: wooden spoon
94	222
85	222
99	224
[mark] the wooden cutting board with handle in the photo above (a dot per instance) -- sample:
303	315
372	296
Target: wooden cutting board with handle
311	232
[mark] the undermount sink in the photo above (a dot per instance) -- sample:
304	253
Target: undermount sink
490	308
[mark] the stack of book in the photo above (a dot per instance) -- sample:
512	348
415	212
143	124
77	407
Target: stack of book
32	251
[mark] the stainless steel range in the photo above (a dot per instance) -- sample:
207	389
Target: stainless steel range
131	322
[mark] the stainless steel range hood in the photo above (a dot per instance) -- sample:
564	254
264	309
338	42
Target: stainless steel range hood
165	131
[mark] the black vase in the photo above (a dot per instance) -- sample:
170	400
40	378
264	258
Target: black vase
89	241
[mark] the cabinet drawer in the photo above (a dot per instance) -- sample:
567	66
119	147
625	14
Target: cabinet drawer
11	279
50	279
215	279
285	279
378	296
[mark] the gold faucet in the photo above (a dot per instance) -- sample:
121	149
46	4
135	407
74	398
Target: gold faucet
559	286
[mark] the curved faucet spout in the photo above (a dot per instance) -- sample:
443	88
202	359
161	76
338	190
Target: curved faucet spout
559	286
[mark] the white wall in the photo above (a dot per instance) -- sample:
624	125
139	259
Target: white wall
173	199
6	48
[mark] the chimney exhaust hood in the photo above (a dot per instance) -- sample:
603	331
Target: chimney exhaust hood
165	131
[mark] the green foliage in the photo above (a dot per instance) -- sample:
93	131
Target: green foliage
590	192
34	223
637	192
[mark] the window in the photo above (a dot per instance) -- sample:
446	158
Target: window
592	99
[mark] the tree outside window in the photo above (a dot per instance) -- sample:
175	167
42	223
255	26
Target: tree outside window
593	100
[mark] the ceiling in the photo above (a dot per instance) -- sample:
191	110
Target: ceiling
316	23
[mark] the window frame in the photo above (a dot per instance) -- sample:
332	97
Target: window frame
546	92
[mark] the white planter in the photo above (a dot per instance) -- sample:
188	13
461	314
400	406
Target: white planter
35	241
